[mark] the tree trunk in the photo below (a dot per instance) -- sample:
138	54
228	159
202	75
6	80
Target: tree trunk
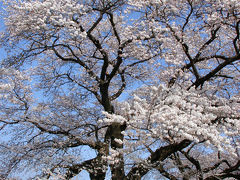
114	131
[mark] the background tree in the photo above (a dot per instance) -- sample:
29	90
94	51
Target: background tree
69	62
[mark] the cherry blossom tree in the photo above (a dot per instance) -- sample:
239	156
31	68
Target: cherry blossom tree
152	87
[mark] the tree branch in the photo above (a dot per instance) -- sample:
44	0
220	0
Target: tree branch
159	155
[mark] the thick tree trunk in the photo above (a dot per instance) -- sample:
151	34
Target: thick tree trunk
114	131
118	167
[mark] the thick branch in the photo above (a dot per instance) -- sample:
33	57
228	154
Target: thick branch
186	51
159	155
121	89
165	173
232	171
114	28
195	162
211	74
236	46
212	38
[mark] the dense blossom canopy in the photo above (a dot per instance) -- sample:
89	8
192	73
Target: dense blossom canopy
150	87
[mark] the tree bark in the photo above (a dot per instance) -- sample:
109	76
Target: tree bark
113	132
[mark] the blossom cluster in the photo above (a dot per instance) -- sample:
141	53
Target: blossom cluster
175	114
